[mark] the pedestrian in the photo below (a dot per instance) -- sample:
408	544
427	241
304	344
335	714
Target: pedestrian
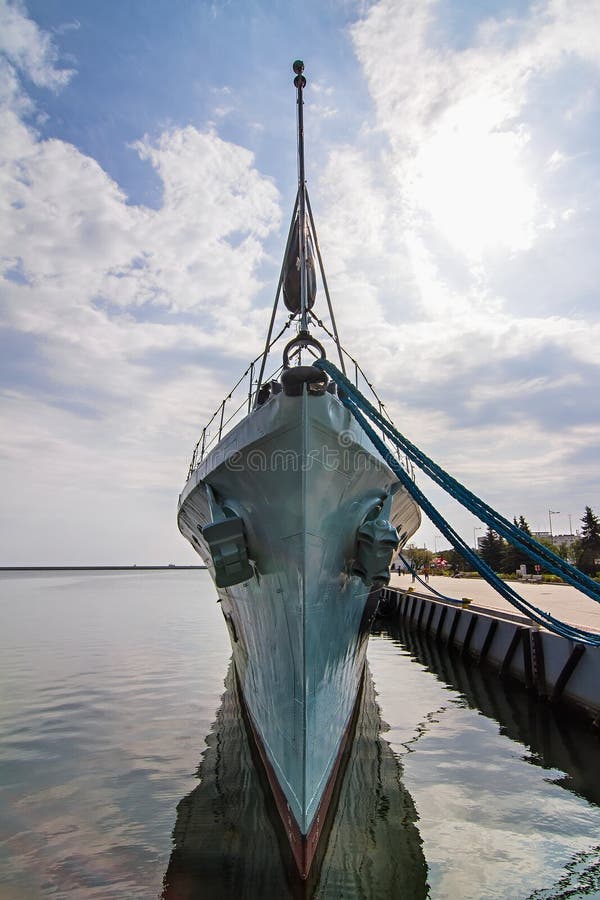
426	573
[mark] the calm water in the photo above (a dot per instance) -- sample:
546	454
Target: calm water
125	771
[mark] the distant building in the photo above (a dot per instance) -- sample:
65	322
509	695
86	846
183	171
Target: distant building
557	539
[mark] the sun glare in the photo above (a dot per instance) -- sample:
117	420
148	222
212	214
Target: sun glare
469	177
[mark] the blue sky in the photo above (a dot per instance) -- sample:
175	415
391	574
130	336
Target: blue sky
147	176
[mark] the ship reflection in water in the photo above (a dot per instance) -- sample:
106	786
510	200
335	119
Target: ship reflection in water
227	840
226	843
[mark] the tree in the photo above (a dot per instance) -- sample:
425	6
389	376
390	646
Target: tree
491	549
565	552
417	556
588	546
513	557
554	548
456	561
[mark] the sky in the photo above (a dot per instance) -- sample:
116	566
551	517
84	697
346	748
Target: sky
147	178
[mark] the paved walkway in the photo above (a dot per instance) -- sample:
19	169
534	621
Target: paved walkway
560	600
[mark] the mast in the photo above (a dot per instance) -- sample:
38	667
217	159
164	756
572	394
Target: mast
300	84
297	280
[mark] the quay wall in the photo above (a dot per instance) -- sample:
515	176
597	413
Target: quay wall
557	669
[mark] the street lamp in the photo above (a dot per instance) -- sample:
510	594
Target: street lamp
552	512
477	528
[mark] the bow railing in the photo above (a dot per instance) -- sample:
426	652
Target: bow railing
242	398
232	409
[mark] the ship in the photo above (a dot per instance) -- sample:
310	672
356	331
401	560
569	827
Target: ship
225	831
297	516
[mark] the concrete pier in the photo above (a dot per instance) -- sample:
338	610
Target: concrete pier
482	625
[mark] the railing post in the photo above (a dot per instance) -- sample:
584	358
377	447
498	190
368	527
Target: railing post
222	416
250	386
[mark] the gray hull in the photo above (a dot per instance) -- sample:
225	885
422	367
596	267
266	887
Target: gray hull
302	476
224	837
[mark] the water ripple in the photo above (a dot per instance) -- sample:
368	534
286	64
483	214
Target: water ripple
111	687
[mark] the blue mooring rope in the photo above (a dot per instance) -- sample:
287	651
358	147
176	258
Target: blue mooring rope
358	405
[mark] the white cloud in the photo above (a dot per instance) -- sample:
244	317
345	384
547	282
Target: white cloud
481	319
458	120
113	400
28	48
211	193
65	219
84	251
459	240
